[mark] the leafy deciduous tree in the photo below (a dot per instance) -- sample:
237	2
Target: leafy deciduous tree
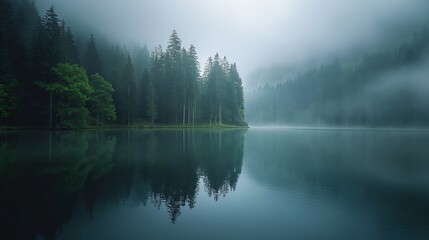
101	100
71	92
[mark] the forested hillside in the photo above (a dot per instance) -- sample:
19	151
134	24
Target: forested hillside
389	87
48	80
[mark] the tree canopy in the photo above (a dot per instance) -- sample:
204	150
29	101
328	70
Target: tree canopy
41	83
71	91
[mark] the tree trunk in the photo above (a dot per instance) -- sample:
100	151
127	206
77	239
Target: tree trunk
129	106
184	113
220	114
193	113
50	145
50	109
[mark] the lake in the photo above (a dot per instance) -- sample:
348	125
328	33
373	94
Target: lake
259	183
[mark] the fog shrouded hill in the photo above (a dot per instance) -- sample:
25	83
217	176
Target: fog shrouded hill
271	41
387	88
256	34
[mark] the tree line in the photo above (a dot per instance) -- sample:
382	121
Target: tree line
384	89
48	78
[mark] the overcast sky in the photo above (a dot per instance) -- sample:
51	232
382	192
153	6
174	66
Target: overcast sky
254	33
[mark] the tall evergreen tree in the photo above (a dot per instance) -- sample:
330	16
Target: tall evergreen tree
222	93
52	34
141	61
142	104
126	104
71	54
151	100
192	75
47	52
92	60
238	95
174	78
160	84
7	75
207	96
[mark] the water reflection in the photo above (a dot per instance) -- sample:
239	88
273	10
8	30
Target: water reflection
383	173
171	163
43	175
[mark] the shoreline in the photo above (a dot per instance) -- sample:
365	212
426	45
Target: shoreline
133	127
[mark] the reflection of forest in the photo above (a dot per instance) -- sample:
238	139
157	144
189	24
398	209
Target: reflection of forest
44	174
384	171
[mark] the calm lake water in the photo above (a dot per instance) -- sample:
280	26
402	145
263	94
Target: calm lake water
199	184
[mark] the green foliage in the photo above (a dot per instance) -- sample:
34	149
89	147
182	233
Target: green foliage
7	96
3	97
101	100
3	101
173	79
53	42
71	92
222	99
182	98
31	46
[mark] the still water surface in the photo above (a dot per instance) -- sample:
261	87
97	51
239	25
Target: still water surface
201	184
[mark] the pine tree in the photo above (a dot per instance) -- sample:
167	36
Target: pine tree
7	100
52	34
7	49
92	60
192	75
127	103
207	97
238	98
152	108
47	53
222	93
4	112
141	59
174	78
142	98
71	54
160	84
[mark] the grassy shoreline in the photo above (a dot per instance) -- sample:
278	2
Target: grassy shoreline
135	126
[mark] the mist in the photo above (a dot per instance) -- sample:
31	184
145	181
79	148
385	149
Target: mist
258	35
157	119
385	88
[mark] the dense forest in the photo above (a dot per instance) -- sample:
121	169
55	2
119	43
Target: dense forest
47	79
385	88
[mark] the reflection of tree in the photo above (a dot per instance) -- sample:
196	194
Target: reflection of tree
221	161
38	191
171	171
175	160
100	155
39	187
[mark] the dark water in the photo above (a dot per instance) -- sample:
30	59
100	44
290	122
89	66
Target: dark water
233	184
